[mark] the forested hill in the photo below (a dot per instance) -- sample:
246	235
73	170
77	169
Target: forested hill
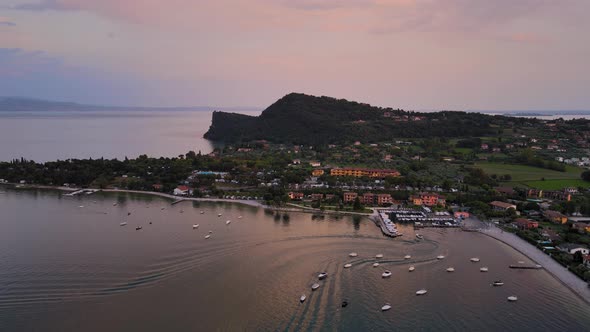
303	119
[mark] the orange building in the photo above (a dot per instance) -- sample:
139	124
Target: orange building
360	172
428	199
350	197
317	172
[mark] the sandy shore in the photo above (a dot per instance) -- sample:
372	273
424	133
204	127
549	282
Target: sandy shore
567	278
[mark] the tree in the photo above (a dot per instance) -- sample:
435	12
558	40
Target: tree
585	176
357	206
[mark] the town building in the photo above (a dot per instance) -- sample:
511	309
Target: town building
183	191
555	216
428	199
581	227
317	197
317	172
523	223
572	248
295	196
362	172
502	206
349	197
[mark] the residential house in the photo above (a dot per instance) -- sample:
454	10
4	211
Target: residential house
349	197
317	172
581	227
551	235
428	199
572	248
555	216
502	206
295	196
505	190
368	199
523	223
317	197
384	199
183	191
315	163
461	214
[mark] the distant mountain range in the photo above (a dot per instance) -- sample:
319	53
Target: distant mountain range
20	104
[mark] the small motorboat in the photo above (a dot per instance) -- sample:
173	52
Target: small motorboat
210	232
322	276
123	224
386	307
114	204
512	298
315	286
162	208
418	236
474	259
451	269
386	274
219	214
128	213
379	256
138	228
181	211
239	217
353	254
228	222
375	264
411	269
344	304
483	269
81	206
498	283
202	212
440	257
421	292
195	226
207	236
302	298
348	265
407	257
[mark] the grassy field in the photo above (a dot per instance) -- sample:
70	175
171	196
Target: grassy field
533	176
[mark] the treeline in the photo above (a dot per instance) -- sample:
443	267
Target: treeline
527	157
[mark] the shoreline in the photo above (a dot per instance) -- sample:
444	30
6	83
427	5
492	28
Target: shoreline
253	203
560	273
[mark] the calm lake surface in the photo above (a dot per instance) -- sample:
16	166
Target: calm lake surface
46	136
66	264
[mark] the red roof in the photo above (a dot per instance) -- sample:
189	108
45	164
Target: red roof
183	188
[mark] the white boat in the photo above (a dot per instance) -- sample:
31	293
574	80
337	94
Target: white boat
379	256
474	259
239	217
228	222
520	262
138	228
315	286
483	269
498	283
451	269
123	224
386	307
322	276
407	257
353	254
114	204
162	208
346	266
210	232
411	269
207	236
81	206
202	212
421	292
386	274
195	226
375	264
219	214
418	236
512	298
302	298
440	257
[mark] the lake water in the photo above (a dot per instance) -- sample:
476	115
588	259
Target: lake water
66	264
46	136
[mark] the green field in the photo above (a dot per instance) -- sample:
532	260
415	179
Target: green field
532	176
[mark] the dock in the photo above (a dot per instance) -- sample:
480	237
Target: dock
82	191
387	227
526	267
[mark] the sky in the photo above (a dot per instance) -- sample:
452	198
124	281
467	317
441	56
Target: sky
412	54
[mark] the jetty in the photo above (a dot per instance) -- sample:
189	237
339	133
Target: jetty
525	267
387	226
82	191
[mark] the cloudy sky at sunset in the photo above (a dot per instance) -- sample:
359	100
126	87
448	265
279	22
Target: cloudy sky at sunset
414	54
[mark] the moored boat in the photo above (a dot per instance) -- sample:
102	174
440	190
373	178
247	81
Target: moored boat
207	236
353	254
421	292
195	226
440	257
375	264
498	283
411	269
379	256
407	257
302	298
315	286
386	274
123	224
348	265
483	269
386	307
474	259
451	269
512	298
228	222
322	276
